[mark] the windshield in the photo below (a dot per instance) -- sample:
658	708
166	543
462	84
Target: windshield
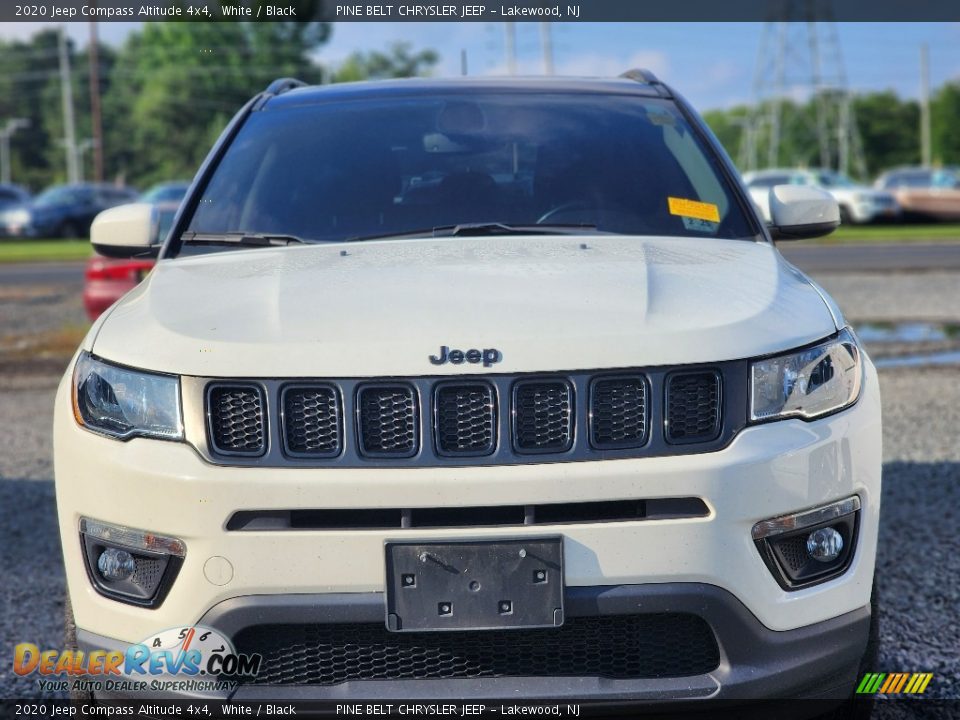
393	166
62	195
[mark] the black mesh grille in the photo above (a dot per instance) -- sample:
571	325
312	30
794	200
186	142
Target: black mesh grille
388	420
311	421
693	407
466	419
236	419
612	646
618	412
543	416
794	553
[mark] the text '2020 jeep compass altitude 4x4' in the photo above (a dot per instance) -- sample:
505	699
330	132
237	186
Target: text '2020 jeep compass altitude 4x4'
480	389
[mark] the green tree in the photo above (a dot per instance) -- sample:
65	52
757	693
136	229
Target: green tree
889	130
178	84
399	61
944	121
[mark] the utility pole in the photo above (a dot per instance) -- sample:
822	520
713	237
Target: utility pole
510	46
5	134
546	44
82	147
925	105
800	57
96	124
66	91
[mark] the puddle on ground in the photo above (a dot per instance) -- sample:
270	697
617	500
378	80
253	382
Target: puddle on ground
921	360
890	343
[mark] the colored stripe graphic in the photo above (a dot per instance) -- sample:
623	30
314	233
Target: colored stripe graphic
894	683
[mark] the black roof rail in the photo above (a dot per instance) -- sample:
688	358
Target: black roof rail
641	75
282	85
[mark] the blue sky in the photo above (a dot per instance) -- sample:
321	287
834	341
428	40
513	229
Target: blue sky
713	64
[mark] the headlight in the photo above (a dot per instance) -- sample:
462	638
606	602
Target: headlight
807	383
126	403
19	216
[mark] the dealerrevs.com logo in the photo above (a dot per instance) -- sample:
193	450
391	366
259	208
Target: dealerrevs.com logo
189	659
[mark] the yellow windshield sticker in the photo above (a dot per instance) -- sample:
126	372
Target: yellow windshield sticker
693	209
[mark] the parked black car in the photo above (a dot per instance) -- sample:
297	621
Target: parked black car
63	210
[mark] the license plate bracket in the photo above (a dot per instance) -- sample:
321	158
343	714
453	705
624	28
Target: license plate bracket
474	585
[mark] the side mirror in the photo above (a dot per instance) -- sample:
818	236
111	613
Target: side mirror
127	231
800	211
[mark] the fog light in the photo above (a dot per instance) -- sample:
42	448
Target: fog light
825	544
130	565
116	565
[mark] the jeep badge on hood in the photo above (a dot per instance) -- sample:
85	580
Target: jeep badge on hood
489	356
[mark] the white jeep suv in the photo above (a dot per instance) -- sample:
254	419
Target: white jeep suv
477	388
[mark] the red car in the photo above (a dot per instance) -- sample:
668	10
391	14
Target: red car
106	280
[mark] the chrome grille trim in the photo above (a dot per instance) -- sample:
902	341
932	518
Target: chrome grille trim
733	405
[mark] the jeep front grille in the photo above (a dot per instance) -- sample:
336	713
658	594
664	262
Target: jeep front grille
311	420
466	419
388	420
618	412
543	416
236	419
693	407
461	421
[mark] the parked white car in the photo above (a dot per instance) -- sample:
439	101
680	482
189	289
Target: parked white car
477	388
858	203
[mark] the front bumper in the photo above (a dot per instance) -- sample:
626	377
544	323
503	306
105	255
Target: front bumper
816	661
710	563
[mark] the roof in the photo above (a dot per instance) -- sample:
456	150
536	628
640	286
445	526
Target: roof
432	86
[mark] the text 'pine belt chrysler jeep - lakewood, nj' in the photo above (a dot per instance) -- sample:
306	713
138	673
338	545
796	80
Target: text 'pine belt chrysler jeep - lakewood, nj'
479	388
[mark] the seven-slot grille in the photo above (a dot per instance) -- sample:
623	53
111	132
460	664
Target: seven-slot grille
466	419
693	406
495	419
236	419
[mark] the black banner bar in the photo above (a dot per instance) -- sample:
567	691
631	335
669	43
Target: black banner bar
901	709
479	10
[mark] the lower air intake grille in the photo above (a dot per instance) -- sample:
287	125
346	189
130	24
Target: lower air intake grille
466	419
609	646
236	424
543	416
618	412
388	420
693	407
311	421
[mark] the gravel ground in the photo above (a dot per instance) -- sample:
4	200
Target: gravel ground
933	296
918	559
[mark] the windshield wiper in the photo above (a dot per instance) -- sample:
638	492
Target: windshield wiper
484	229
242	239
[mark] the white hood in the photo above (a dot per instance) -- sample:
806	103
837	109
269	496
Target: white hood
381	308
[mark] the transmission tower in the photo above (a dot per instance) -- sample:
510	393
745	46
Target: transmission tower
800	60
